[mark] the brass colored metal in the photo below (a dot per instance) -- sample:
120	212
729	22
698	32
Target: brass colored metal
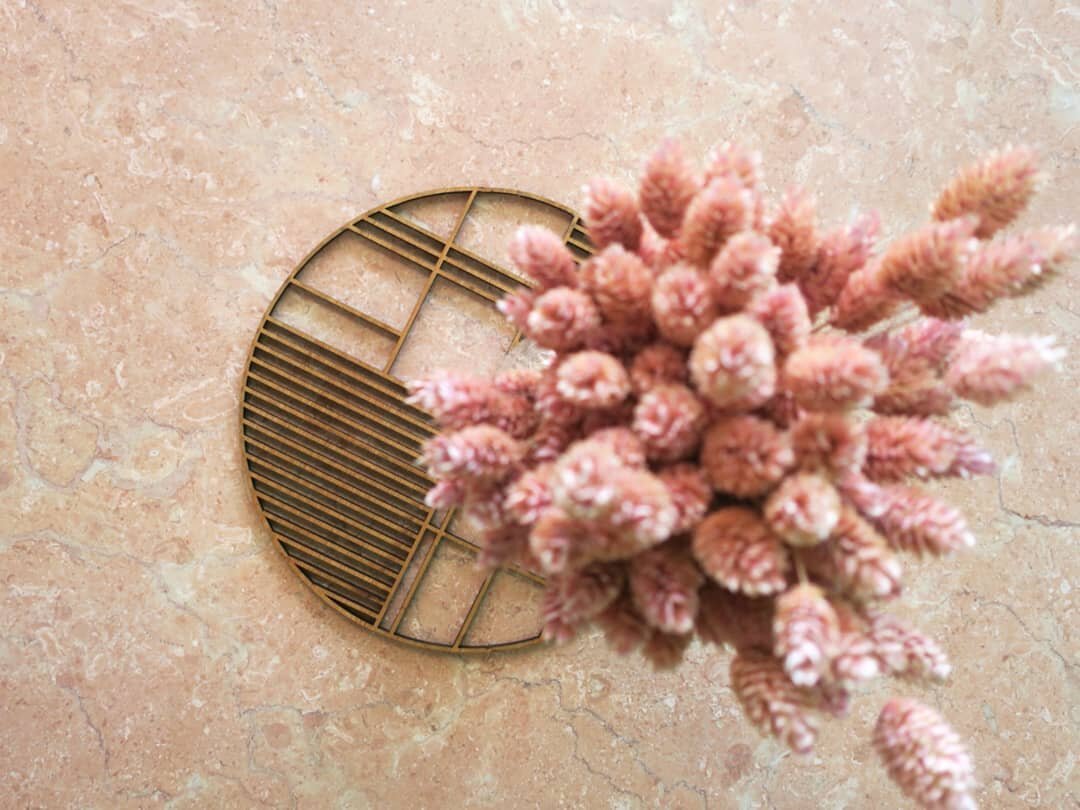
330	443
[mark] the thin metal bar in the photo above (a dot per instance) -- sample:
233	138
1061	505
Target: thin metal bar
582	247
396	234
341	583
343	307
465	625
405	565
339	598
301	546
419	261
416	582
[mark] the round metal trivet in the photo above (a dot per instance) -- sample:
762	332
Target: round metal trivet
331	445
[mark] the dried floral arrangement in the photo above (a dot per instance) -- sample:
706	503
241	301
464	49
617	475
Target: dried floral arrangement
720	442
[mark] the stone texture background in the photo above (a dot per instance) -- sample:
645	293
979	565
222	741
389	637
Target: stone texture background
165	165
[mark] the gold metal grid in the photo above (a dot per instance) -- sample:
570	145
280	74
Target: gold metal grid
330	444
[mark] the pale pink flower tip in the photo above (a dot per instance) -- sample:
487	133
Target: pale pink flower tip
803	510
690	494
562	319
900	446
733	363
793	229
612	215
924	756
667	187
905	651
732	160
995	190
541	255
842	252
858	559
745	456
927	263
478	453
919	523
988	369
657	364
619	282
682	304
593	380
664	583
782	311
805	630
714	216
669	420
834	373
829	441
735	547
772	702
572	599
745	268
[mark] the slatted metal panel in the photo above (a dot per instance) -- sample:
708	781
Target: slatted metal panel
331	445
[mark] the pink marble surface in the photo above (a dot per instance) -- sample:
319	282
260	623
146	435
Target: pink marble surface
167	163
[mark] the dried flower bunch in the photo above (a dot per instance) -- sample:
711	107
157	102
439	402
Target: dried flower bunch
716	448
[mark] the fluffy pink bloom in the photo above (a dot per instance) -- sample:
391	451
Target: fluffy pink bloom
731	618
745	456
520	382
859	559
735	547
582	480
622	443
927	263
560	542
915	359
924	756
782	311
803	510
841	252
562	319
682	304
549	441
477	453
720	211
665	650
900	446
804	632
657	364
745	268
573	598
733	364
620	283
623	626
644	514
995	190
612	215
457	401
451	492
793	229
864	301
690	494
664	583
732	160
592	379
667	187
905	651
919	523
657	252
529	495
541	255
833	373
516	307
829	441
988	369
669	419
772	702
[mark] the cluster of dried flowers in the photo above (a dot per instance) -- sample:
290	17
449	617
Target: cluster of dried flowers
716	448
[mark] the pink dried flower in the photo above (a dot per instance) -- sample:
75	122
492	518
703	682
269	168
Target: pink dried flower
793	229
562	319
559	542
731	618
995	190
833	373
731	160
854	660
457	401
503	546
988	369
803	510
900	446
805	630
1055	245
665	650
623	627
593	380
549	441
915	358
582	480
864	301
451	492
620	283
520	382
690	494
573	598
919	523
745	456
516	307
715	215
669	420
657	364
612	215
667	187
829	441
529	495
904	651
782	311
735	547
841	252
924	756
541	255
664	583
927	263
993	271
644	514
733	364
745	268
622	443
772	702
682	304
657	252
477	453
859	559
